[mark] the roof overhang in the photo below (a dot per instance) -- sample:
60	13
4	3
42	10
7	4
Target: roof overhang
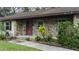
43	13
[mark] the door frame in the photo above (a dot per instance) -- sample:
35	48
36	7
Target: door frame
29	27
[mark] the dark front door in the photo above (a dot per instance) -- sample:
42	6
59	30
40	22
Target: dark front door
29	28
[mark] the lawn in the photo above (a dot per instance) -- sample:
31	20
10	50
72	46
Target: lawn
6	46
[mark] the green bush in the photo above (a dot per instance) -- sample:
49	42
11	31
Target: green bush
49	38
68	35
45	39
2	37
38	38
2	31
45	36
28	39
42	30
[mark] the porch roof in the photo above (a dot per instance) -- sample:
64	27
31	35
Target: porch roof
43	13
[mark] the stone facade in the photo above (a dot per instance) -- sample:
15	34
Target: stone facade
51	25
20	28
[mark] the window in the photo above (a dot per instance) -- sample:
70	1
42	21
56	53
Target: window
8	25
40	23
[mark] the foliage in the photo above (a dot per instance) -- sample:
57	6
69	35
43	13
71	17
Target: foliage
2	26
63	35
2	31
45	39
38	38
45	36
12	10
37	8
49	38
68	35
25	9
2	37
28	39
42	30
7	11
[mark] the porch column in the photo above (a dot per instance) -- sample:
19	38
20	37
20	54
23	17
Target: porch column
13	28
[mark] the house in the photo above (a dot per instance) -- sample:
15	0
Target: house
27	23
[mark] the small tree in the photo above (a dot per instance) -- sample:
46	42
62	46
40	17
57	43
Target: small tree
42	30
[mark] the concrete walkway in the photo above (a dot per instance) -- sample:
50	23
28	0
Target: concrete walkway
41	46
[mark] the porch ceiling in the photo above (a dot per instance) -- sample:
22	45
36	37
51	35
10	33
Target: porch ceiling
43	13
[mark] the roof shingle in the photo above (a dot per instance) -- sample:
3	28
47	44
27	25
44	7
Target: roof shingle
43	13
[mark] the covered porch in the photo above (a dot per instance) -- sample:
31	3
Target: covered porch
29	27
25	28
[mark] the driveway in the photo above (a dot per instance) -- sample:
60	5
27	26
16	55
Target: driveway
40	46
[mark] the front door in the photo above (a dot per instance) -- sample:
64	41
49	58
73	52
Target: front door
29	28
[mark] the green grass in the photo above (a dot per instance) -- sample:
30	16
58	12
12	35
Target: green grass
6	46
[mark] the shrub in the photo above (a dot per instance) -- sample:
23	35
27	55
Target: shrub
64	33
68	35
38	38
42	30
46	38
28	39
2	37
49	38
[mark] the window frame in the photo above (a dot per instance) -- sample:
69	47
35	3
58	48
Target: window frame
8	25
40	22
